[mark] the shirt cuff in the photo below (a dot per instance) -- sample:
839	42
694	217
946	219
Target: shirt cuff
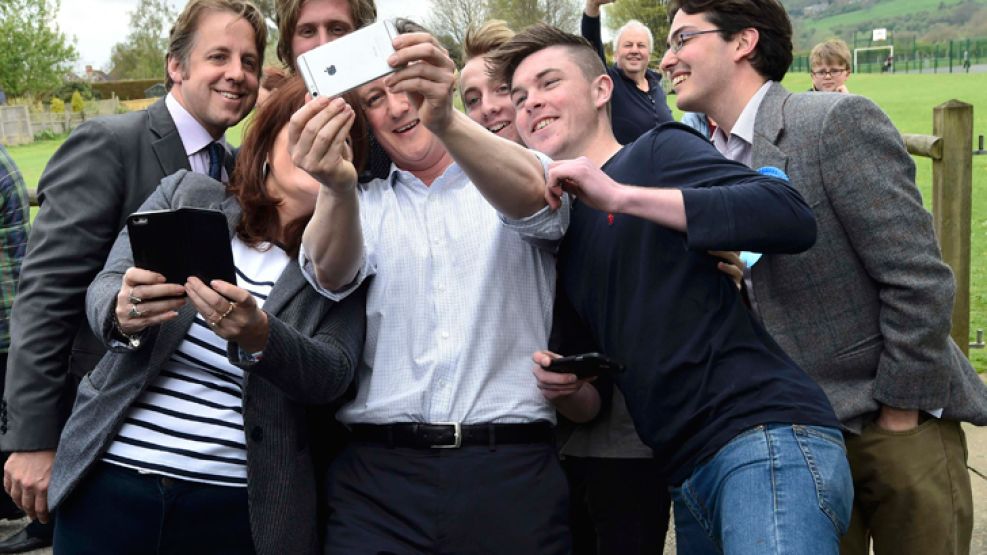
308	271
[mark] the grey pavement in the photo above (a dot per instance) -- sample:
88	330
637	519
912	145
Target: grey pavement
976	441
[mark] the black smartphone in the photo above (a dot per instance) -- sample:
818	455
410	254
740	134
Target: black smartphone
586	365
181	243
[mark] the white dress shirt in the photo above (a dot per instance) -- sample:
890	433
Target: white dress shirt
738	146
456	307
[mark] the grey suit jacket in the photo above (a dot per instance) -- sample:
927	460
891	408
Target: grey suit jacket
866	311
313	347
102	173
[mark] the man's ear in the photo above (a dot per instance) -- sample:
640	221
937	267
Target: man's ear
602	88
175	69
746	41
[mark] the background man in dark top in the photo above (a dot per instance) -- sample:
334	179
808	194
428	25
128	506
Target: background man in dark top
731	418
866	311
638	101
104	171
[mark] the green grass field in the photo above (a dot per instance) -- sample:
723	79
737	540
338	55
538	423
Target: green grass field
908	100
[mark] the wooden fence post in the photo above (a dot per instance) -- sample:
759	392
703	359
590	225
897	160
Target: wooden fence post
952	190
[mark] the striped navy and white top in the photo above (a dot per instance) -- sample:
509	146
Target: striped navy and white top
188	424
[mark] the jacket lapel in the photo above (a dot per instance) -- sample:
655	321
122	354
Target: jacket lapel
168	147
769	126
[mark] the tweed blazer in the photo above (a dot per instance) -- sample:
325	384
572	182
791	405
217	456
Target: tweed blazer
312	350
866	311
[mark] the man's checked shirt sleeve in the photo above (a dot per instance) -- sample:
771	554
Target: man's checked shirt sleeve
15	222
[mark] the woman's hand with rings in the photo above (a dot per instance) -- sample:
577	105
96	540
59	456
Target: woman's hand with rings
230	311
146	300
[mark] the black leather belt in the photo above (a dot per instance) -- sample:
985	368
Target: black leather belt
451	435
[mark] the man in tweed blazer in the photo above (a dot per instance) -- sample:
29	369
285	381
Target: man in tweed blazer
866	311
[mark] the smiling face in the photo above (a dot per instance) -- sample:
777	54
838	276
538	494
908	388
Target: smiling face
557	106
218	83
396	126
488	102
633	51
319	22
701	71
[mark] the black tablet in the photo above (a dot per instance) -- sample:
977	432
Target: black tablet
181	243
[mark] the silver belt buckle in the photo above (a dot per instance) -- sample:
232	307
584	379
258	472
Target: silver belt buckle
457	435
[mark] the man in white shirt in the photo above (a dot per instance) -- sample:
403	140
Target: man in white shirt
451	433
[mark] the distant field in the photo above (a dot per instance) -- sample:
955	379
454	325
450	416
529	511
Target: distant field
877	11
908	100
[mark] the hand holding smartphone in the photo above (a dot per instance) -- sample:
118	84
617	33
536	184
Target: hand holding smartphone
350	61
586	365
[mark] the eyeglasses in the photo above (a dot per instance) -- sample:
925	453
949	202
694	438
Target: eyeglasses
679	40
829	73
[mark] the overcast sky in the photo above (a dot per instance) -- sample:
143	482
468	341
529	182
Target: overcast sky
99	24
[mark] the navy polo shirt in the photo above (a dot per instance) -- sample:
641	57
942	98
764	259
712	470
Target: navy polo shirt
633	111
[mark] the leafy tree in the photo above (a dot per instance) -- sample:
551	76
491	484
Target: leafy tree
519	14
451	18
34	54
142	54
653	14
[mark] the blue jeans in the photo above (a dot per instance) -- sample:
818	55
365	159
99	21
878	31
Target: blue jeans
777	488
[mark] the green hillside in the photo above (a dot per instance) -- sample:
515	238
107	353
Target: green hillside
922	20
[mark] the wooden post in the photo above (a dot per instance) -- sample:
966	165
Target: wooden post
952	188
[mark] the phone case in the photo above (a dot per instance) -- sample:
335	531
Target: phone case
348	62
182	243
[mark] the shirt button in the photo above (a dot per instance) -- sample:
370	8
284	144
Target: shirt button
441	287
445	335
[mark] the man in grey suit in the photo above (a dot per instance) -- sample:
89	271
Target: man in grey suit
104	172
866	311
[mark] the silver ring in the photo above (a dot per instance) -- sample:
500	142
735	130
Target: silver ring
134	313
132	298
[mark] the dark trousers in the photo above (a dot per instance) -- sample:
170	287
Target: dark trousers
617	506
471	500
117	510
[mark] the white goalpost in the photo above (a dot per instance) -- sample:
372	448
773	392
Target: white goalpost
888	47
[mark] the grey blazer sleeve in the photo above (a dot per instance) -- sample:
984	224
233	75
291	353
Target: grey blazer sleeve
870	182
81	192
316	369
101	295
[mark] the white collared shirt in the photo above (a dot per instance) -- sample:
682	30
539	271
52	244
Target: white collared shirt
456	307
738	146
195	138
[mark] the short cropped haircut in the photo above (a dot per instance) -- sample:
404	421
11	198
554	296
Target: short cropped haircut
287	12
504	61
773	54
181	38
831	51
485	38
634	24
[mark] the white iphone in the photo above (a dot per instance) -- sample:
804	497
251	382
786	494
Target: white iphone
350	61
